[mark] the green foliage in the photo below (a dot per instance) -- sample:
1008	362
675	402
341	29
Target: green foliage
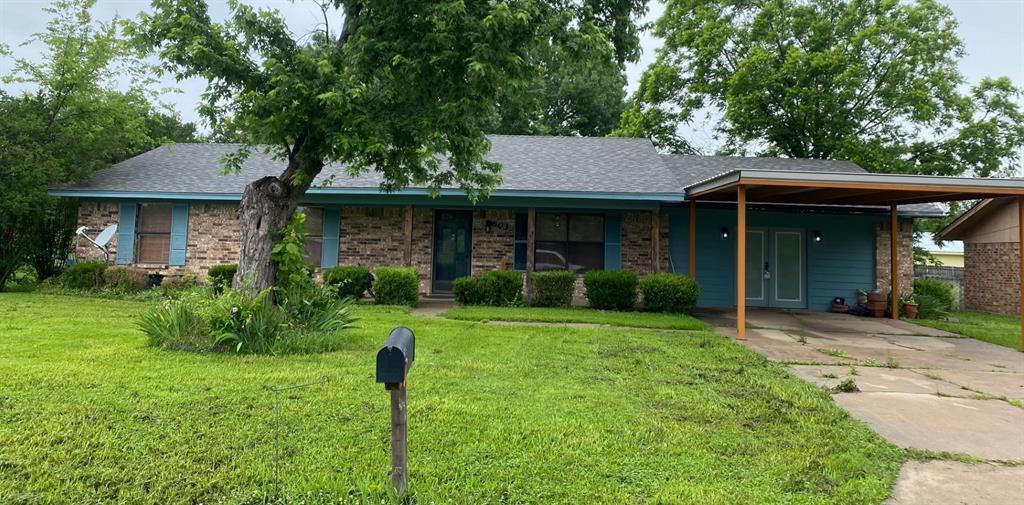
875	82
930	306
84	275
175	324
942	292
125	279
173	287
289	254
397	286
350	282
995	328
498	288
221	276
316	308
670	293
608	290
552	289
585	315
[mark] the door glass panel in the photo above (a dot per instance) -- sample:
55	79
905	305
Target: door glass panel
755	265
789	258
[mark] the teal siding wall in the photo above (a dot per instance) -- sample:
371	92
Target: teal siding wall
841	263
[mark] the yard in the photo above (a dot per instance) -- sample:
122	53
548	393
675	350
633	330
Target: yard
992	328
499	413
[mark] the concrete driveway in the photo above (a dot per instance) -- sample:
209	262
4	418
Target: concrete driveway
918	387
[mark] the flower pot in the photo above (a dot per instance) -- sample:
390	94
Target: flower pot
877	304
910	310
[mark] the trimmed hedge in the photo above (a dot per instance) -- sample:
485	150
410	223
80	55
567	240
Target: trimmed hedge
351	282
498	288
221	276
125	278
942	292
608	290
397	286
86	275
552	289
670	293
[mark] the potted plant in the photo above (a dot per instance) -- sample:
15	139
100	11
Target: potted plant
877	304
909	303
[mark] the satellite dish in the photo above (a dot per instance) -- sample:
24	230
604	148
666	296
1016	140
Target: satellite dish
104	237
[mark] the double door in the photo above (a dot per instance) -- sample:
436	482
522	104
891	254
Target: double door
775	268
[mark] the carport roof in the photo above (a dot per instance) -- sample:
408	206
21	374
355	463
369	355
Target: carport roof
821	188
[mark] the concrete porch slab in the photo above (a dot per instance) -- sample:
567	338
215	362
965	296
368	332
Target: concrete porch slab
987	429
953	483
878	380
998	384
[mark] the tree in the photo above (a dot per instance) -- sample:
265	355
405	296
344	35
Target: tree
73	122
872	81
403	88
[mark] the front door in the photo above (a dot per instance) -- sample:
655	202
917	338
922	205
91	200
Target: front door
775	268
453	247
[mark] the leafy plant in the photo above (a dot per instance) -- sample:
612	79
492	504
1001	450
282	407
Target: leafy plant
931	307
848	385
611	290
498	288
350	282
316	308
552	289
221	276
176	324
125	279
397	286
289	254
670	293
84	275
943	298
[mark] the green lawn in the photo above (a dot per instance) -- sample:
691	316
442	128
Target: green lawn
497	413
577	315
997	329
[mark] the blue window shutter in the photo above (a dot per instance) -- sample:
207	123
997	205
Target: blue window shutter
179	233
332	228
519	243
126	233
612	242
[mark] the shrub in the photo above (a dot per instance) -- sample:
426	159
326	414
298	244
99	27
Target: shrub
293	267
608	290
176	324
670	293
221	276
552	289
125	279
316	308
942	292
173	287
86	275
930	307
350	282
499	288
397	286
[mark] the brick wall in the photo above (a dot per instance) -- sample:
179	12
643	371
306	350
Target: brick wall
96	215
494	250
883	254
637	248
992	277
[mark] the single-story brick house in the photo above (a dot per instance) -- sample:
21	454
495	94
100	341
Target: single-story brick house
990	231
566	202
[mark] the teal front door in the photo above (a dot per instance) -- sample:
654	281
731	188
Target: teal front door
453	247
775	268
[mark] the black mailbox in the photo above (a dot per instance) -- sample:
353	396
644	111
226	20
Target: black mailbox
396	357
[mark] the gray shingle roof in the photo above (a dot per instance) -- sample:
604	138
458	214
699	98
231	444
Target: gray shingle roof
529	163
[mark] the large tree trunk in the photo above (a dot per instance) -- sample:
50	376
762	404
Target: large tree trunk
266	207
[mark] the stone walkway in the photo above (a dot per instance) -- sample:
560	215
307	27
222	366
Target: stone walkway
919	388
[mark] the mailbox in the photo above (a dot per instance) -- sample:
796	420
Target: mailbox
396	357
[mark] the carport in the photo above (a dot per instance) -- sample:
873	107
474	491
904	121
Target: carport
839	189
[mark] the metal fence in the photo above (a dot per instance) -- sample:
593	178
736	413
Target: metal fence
952	275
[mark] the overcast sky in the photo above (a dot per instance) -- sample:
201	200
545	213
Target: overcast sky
992	31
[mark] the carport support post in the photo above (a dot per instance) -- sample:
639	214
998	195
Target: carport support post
894	263
693	238
741	263
1020	254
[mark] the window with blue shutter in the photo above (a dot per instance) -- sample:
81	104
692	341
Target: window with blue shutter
332	230
126	234
519	253
179	234
612	242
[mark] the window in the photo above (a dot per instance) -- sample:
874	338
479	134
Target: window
314	233
153	234
572	242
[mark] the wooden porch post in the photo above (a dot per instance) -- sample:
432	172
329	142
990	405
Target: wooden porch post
407	252
741	263
1020	252
894	254
531	234
656	241
693	238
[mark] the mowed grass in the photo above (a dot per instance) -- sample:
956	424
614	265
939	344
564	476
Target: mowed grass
993	328
577	315
497	414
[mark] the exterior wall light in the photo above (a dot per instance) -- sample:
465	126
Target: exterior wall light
725	233
817	237
488	226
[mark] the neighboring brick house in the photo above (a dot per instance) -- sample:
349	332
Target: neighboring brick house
990	231
598	203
